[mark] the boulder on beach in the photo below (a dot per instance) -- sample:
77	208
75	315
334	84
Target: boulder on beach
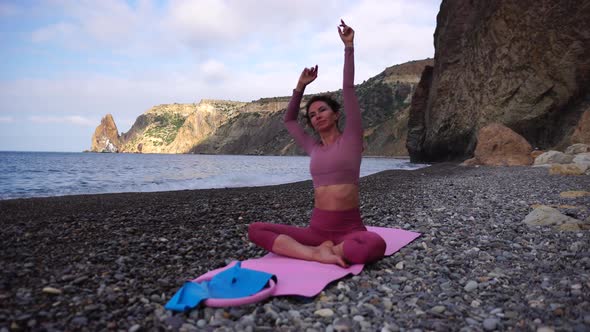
498	145
553	157
577	148
547	216
582	158
567	169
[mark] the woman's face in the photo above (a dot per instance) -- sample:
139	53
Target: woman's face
321	116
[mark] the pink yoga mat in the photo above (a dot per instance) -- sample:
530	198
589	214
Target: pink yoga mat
299	277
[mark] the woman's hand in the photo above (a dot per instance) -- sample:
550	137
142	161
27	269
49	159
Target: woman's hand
308	75
346	34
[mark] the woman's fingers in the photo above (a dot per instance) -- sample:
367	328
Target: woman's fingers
312	71
343	29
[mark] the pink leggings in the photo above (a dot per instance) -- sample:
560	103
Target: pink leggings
360	246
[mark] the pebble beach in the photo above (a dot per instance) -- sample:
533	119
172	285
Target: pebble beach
111	261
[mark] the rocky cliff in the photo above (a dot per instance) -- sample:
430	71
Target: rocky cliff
175	128
385	101
106	136
227	127
525	64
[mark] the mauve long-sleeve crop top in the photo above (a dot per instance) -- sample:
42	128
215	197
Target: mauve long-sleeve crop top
339	162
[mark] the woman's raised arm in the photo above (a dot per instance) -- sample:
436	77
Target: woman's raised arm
302	139
352	110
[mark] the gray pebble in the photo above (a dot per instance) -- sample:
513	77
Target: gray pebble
470	286
342	325
490	324
439	309
79	321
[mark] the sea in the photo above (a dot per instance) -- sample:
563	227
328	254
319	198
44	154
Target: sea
44	174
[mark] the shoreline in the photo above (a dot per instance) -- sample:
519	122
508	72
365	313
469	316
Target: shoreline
117	258
212	180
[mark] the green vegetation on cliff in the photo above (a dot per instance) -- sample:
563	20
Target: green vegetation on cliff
165	128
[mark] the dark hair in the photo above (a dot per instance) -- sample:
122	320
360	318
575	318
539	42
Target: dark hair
334	105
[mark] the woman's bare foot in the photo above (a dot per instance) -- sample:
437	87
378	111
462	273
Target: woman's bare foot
339	249
324	253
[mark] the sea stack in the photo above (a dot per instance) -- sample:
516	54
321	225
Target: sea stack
106	136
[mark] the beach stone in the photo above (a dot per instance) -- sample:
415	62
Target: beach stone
79	321
574	194
343	309
342	325
135	328
51	290
175	322
387	304
439	309
498	145
294	313
577	148
186	327
570	227
490	324
545	215
553	157
545	329
326	312
568	169
470	286
582	160
390	327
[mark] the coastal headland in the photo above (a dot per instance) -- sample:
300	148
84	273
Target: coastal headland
111	261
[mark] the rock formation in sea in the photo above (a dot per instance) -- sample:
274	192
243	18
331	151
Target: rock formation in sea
106	136
524	64
230	127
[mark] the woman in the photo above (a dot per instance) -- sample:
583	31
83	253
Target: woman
336	234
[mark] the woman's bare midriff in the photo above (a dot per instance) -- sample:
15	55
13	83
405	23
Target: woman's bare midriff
337	197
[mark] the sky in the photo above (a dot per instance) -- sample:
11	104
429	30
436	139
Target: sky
64	64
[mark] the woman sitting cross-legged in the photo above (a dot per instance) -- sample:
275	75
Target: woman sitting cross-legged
336	233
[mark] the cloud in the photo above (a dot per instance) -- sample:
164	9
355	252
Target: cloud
85	24
6	119
72	119
387	32
204	23
214	71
